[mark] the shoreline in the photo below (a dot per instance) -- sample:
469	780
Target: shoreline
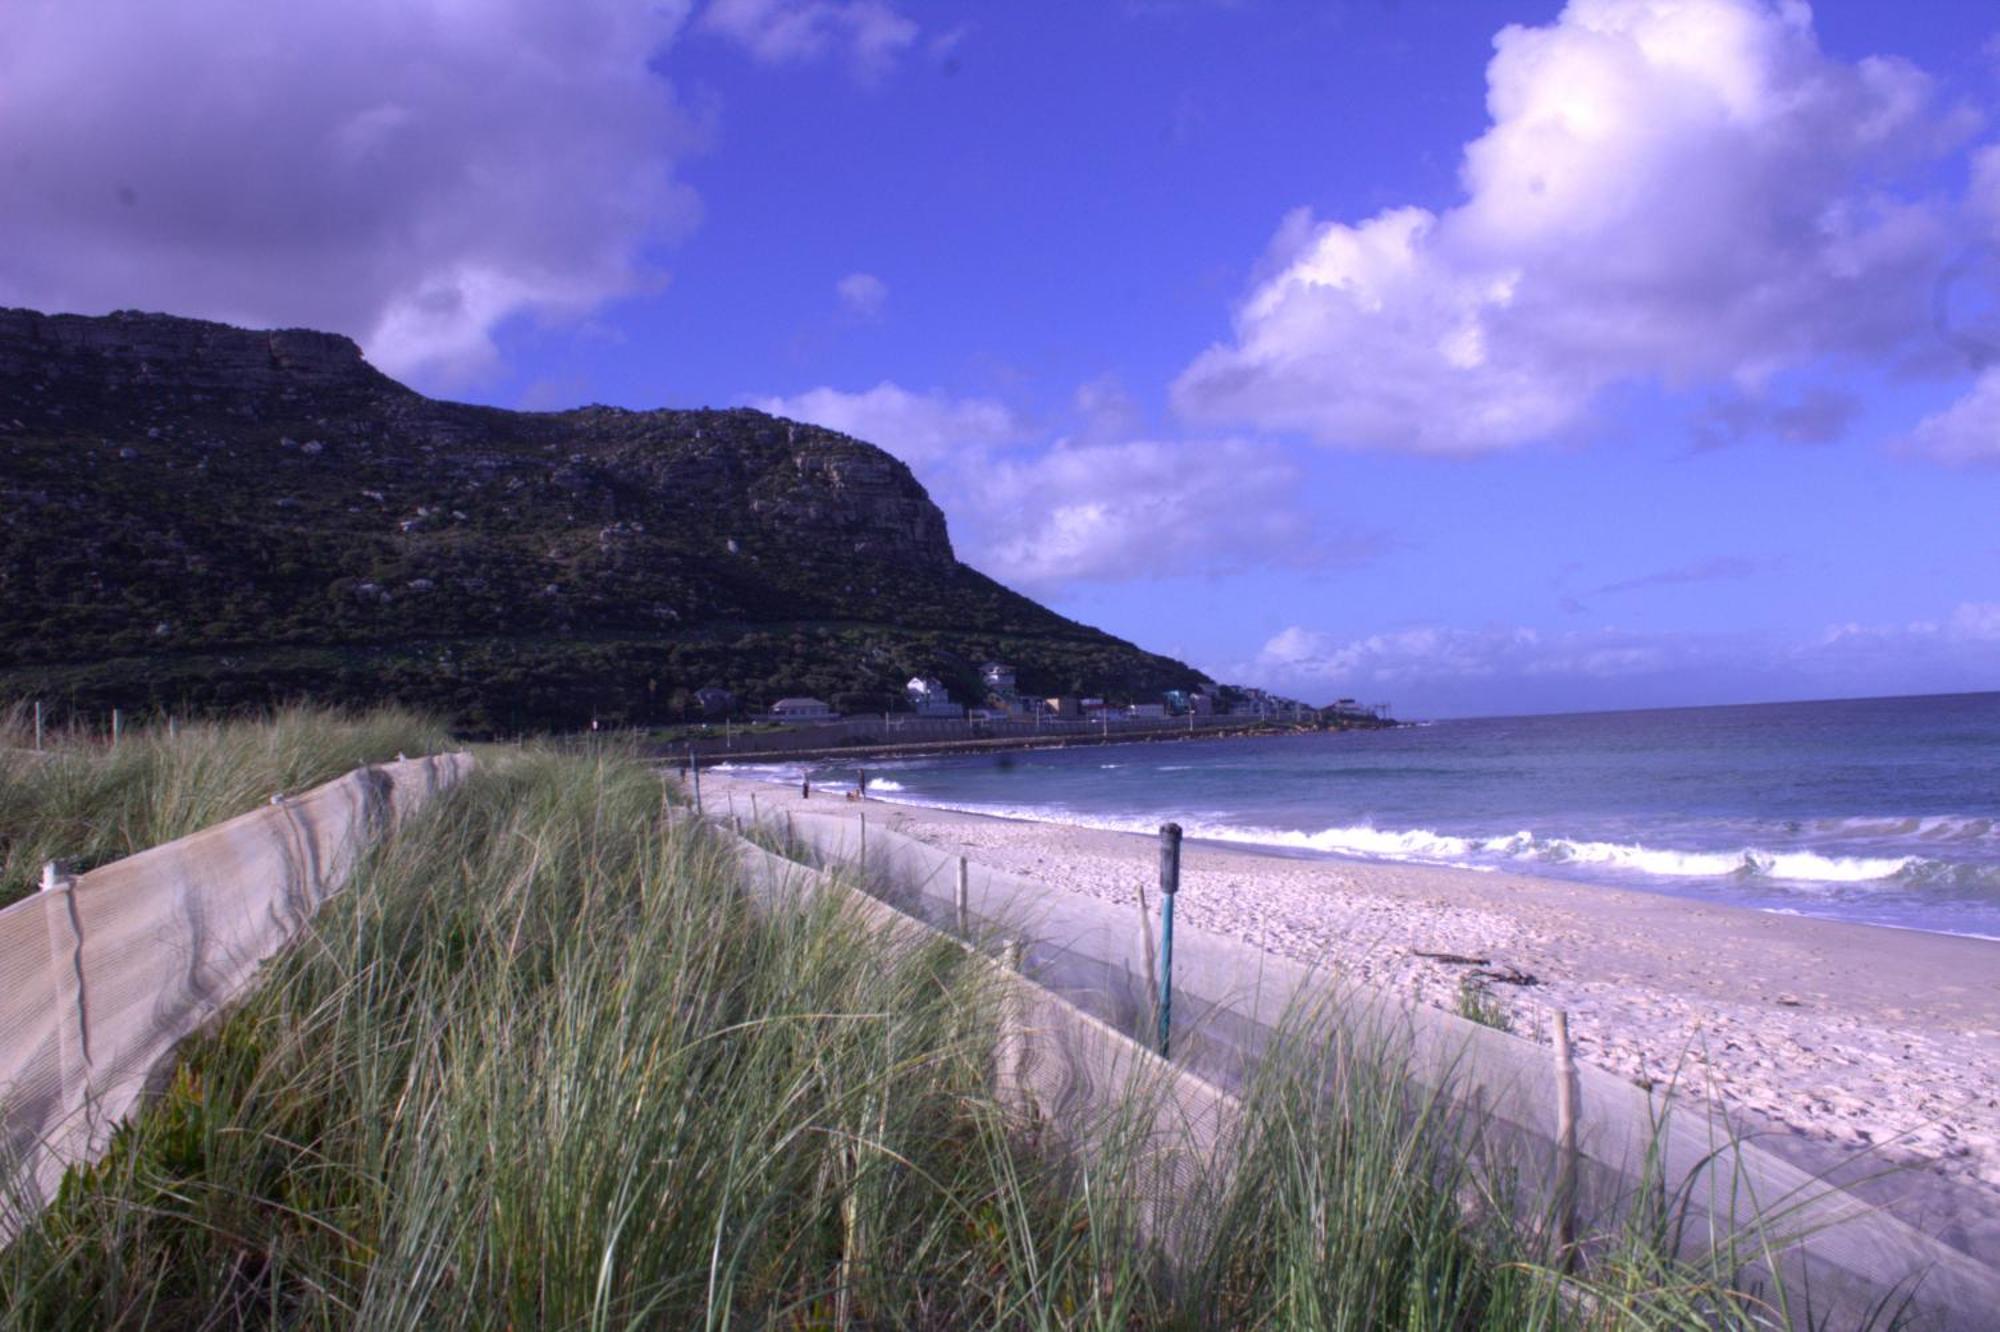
1249	845
707	754
1848	1035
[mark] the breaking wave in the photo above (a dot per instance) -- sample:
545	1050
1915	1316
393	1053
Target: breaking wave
1525	850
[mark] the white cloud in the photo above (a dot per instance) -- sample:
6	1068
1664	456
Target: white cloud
1967	622
919	428
1975	622
1514	668
1106	409
410	172
870	34
1677	189
862	293
1432	652
1968	431
1149	509
1045	516
1432	669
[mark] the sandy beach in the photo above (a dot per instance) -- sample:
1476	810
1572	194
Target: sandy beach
1850	1035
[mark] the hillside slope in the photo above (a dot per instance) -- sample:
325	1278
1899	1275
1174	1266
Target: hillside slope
193	515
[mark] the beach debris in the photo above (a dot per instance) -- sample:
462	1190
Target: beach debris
1503	973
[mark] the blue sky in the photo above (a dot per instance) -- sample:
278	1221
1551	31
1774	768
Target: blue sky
1478	357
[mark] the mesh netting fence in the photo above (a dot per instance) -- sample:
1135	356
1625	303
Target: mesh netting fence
1090	997
102	975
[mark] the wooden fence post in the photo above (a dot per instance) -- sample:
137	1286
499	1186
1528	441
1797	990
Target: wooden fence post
117	726
73	1034
964	893
1011	1044
38	726
1566	1156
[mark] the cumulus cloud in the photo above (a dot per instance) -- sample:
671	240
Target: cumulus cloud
1446	668
1968	431
409	172
1150	509
1427	653
1681	190
1969	622
862	293
1106	410
869	34
1042	516
1975	622
920	428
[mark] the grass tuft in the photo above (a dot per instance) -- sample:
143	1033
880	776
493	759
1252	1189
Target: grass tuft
84	801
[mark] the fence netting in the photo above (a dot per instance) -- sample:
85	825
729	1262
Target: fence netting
1850	1239
102	975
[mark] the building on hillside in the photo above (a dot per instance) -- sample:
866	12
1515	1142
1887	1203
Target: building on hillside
929	698
1201	704
1064	706
715	702
998	676
1147	712
801	710
1176	701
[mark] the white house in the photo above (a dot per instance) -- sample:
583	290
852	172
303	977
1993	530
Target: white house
999	677
929	698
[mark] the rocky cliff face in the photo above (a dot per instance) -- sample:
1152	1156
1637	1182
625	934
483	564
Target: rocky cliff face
239	515
131	347
187	382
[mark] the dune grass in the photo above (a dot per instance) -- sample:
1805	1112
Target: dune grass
84	801
544	1065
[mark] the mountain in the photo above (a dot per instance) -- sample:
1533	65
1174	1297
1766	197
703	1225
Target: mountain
199	516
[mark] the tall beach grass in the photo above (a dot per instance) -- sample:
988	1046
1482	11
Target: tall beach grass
545	1065
83	800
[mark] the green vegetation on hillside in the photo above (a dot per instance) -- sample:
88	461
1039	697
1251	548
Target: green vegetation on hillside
186	524
543	1066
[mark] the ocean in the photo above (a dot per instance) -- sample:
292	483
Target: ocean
1883	811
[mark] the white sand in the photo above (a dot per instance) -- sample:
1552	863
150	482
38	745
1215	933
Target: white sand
1850	1034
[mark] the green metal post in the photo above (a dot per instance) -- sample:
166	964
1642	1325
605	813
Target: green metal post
1170	884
